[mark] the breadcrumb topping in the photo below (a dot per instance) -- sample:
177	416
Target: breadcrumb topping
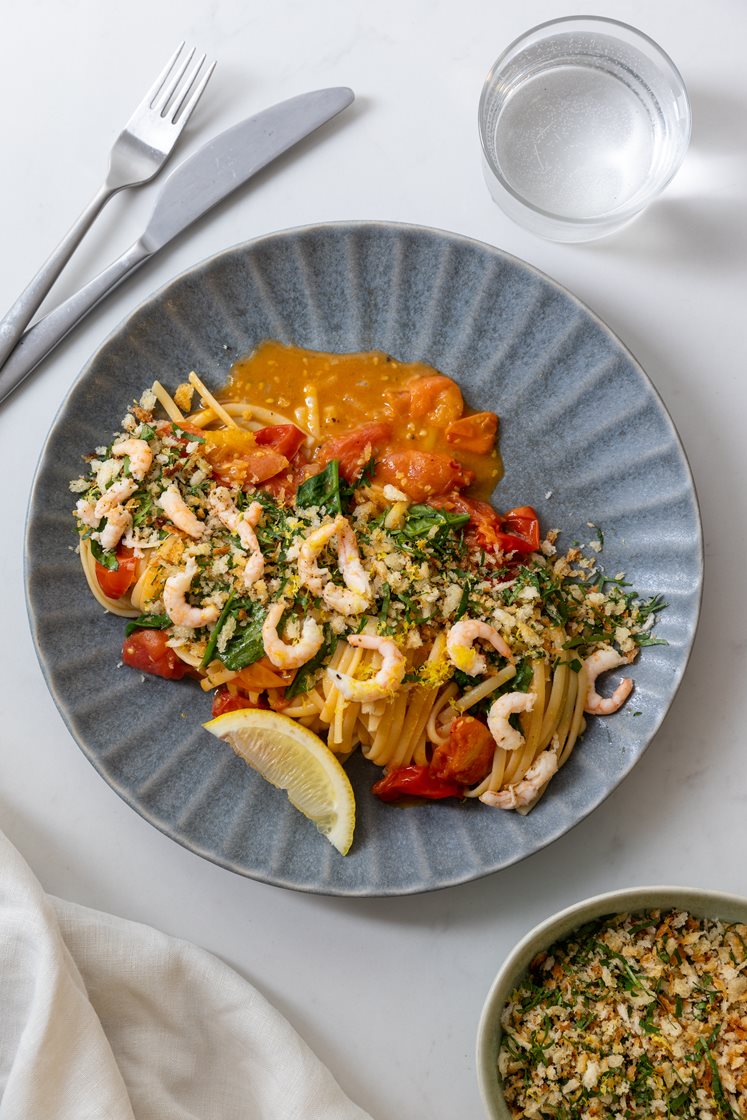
634	1015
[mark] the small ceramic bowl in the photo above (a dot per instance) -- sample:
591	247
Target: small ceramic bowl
700	903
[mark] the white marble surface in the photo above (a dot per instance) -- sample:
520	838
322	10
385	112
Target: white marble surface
387	992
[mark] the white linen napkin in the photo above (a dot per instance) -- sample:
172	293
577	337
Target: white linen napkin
105	1019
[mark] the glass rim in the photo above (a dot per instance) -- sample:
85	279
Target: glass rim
624	211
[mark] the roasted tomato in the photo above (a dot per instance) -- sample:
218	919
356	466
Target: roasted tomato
355	448
284	485
114	583
261	675
284	438
436	398
147	651
517	532
178	429
237	459
225	701
521	530
484	521
467	755
474	433
416	781
422	475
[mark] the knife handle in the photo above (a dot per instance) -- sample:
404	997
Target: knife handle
44	336
30	299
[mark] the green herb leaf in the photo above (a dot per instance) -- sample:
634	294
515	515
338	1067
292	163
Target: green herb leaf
463	602
148	622
189	436
386	598
145	507
106	559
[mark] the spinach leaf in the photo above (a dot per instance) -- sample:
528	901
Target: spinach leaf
246	646
207	656
347	489
464	680
322	490
148	622
421	519
523	678
304	678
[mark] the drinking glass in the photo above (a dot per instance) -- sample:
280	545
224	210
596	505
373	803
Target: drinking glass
583	122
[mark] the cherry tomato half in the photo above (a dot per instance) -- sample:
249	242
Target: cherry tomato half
416	781
225	701
467	755
521	531
354	448
285	438
474	433
147	651
422	474
115	582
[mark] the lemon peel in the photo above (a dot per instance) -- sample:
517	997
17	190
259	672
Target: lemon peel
292	758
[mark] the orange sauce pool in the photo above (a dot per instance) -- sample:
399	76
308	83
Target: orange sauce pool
330	394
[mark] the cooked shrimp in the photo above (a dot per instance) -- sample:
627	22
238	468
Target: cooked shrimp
356	579
111	506
116	495
309	572
348	600
386	681
242	524
507	737
139	453
179	513
290	655
525	791
86	512
118	522
600	662
175	602
459	642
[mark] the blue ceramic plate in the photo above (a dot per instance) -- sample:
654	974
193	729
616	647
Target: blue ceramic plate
584	436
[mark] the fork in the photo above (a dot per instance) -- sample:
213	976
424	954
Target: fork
138	154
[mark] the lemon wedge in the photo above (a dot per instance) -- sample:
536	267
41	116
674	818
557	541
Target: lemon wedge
294	759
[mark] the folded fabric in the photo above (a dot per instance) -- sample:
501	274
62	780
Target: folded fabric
109	1019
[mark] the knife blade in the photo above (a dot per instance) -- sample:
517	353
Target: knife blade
193	188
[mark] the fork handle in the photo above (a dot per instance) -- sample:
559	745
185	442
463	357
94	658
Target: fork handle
45	335
30	299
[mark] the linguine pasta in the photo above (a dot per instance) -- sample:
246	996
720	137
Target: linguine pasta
314	543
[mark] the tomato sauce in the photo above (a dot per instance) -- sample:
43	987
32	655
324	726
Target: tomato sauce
336	393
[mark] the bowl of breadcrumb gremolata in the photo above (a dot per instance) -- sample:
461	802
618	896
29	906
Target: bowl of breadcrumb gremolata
630	1004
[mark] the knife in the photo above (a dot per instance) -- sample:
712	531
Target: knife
193	188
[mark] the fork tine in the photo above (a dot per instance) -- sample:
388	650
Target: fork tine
189	100
161	101
186	90
152	93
